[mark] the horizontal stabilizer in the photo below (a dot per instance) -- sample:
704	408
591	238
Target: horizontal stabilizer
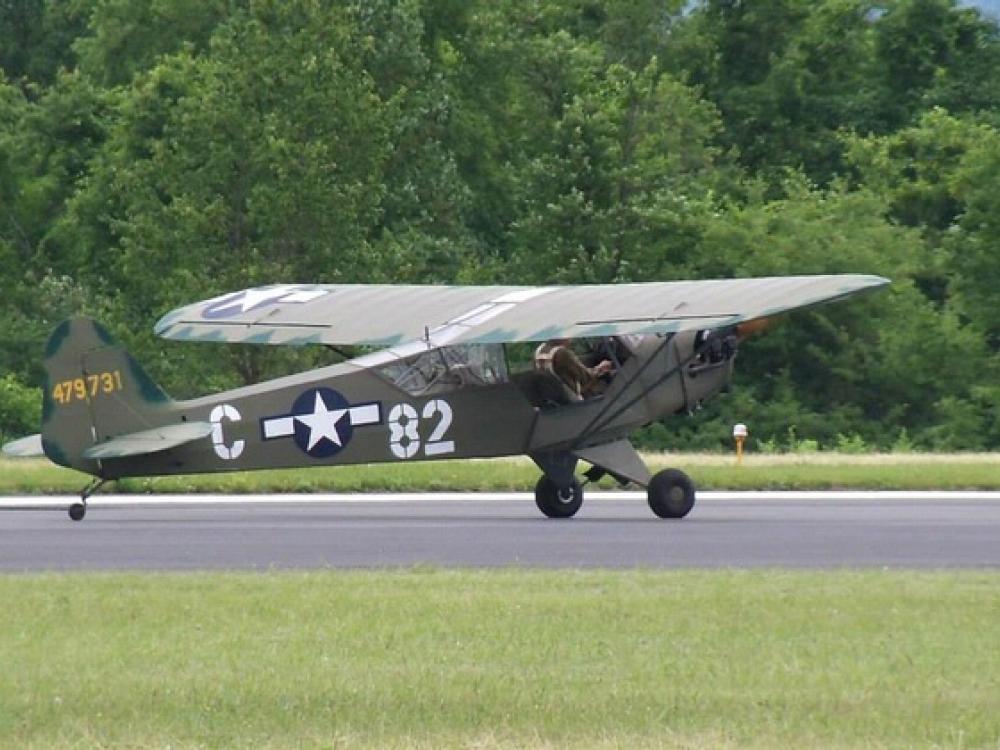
619	457
149	441
26	447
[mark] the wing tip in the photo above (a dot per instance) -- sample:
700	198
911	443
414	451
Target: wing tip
876	281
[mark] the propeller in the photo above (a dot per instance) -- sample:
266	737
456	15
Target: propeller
749	328
713	346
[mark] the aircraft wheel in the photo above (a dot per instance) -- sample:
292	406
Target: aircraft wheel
671	494
77	511
555	502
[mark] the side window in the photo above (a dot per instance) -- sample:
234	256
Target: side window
447	368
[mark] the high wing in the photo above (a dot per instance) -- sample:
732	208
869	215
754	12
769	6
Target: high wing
388	315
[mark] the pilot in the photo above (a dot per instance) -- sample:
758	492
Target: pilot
616	349
557	357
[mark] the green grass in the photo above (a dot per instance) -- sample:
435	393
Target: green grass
430	658
797	471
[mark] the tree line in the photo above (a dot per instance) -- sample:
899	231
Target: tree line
156	153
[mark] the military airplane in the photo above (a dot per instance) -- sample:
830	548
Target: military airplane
438	384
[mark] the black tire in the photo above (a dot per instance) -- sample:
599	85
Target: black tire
671	494
556	503
77	511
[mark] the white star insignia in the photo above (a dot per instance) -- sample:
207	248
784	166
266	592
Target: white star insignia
251	299
322	423
254	297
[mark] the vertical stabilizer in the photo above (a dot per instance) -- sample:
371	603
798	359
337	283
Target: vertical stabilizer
94	391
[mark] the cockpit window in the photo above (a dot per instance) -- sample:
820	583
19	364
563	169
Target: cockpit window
448	368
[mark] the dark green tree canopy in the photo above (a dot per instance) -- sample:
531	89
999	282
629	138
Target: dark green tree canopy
152	153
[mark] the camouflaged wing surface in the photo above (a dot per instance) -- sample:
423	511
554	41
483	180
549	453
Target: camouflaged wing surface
388	315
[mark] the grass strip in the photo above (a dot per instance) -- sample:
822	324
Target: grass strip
434	658
802	472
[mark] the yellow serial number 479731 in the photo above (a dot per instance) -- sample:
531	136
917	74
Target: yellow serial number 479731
87	387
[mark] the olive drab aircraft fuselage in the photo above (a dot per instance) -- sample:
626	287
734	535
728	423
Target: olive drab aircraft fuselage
438	387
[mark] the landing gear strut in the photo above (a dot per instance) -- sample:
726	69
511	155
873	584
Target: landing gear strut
671	494
78	510
556	502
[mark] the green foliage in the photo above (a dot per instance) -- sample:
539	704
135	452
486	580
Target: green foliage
20	408
903	444
152	153
125	38
851	444
37	37
623	187
930	53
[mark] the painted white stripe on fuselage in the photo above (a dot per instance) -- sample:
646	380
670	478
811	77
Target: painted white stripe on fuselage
365	414
279	427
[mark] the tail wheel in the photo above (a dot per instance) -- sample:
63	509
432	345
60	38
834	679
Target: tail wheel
671	494
556	502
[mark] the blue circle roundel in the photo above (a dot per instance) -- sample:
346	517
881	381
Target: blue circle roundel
322	421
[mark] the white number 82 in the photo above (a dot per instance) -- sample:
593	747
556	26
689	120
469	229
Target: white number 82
404	437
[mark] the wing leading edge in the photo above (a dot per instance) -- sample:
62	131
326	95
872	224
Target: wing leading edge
389	315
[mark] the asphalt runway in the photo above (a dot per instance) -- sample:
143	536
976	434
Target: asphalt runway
612	530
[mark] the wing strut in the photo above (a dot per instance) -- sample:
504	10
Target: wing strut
596	423
559	466
603	418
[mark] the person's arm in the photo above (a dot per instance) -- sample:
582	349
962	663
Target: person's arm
602	368
570	369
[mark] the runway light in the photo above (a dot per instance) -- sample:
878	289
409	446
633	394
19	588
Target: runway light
740	433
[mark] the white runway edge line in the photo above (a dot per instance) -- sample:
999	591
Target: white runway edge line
42	502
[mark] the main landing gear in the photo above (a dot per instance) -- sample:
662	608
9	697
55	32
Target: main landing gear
671	494
78	510
556	502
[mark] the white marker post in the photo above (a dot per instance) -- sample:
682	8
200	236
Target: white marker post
740	433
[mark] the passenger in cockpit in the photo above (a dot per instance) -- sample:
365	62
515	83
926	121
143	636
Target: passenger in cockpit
557	357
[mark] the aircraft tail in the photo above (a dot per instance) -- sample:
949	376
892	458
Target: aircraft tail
94	392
